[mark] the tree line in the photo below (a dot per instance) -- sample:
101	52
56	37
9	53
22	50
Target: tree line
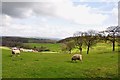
18	41
91	38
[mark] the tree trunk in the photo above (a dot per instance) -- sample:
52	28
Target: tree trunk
70	51
113	46
80	50
88	49
113	41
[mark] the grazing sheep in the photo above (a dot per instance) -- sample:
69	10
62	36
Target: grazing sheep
15	52
77	57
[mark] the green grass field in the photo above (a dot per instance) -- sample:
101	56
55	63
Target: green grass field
100	62
52	47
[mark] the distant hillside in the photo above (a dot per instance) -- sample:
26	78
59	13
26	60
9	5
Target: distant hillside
10	39
65	40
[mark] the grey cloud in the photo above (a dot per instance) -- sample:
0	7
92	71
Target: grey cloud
14	9
23	9
43	8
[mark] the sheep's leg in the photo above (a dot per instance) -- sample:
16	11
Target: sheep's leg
18	54
13	53
72	60
75	60
81	60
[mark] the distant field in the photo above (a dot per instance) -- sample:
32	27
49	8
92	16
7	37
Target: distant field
52	47
100	62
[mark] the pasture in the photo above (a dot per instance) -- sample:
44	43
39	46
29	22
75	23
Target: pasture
100	62
53	47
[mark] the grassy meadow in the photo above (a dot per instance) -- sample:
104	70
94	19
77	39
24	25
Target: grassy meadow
51	46
100	62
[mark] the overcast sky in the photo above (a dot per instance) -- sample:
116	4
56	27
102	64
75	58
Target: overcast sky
56	18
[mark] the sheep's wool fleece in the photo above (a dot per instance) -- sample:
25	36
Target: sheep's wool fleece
78	55
16	51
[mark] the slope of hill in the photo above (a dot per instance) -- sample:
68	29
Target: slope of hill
27	39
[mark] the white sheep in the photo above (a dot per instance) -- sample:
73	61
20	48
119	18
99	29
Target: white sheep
16	52
77	57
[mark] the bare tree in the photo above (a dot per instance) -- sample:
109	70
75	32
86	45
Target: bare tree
68	46
90	39
78	38
113	32
103	36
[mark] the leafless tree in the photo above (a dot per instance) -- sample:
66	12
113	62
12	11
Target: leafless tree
90	39
78	38
68	46
113	32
